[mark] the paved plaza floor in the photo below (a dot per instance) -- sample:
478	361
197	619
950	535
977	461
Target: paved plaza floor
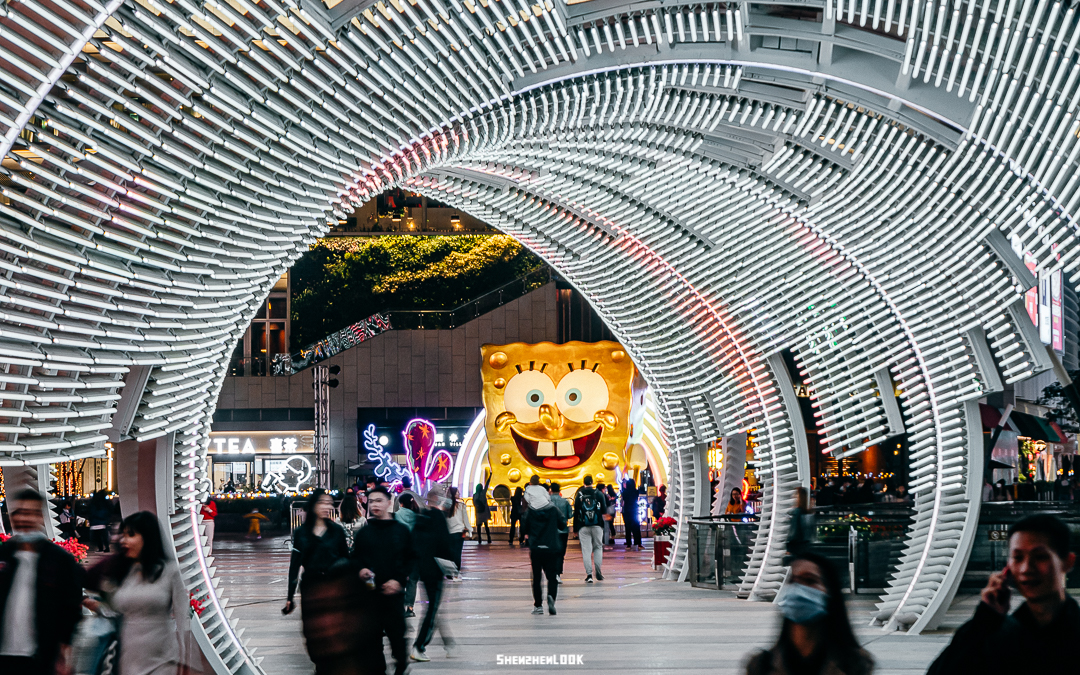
633	622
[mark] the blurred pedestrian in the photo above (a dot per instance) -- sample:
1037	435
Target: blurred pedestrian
406	515
144	587
255	520
815	635
431	540
630	516
330	611
99	515
1042	634
540	524
383	552
406	490
659	502
457	521
40	593
565	512
590	505
208	510
609	517
800	524
483	513
351	517
515	516
66	518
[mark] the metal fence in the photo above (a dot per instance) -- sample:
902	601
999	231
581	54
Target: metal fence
439	319
719	548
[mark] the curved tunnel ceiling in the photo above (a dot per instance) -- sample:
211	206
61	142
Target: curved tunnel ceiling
722	181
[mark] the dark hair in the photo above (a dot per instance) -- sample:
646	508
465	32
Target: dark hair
152	556
350	509
454	495
535	480
629	484
380	490
1056	532
840	642
407	501
309	508
518	491
406	482
731	497
588	479
28	495
554	488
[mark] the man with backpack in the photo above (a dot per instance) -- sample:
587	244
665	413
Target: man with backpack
590	505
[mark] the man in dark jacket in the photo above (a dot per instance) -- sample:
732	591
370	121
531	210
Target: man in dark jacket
590	505
1041	636
383	552
541	526
432	537
40	594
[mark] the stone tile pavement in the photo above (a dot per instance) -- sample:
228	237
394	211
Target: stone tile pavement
633	622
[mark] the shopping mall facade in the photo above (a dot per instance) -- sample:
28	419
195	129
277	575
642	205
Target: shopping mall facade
726	184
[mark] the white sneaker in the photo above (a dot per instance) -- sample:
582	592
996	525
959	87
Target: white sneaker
418	655
558	578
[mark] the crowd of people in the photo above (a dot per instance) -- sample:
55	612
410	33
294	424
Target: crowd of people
354	564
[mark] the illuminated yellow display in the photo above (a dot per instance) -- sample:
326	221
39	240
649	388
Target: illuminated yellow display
560	411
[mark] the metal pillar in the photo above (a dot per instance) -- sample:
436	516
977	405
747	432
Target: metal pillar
322	426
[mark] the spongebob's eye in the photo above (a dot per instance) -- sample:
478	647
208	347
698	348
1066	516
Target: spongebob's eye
526	392
581	394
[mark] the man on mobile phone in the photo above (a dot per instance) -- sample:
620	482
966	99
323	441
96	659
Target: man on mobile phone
1042	634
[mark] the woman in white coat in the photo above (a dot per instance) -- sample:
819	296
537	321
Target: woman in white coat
145	587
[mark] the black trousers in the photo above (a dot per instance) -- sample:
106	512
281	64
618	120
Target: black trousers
101	539
545	561
513	528
563	538
632	530
480	526
433	587
387	617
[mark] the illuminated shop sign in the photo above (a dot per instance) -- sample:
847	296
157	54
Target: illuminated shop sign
262	442
289	475
426	462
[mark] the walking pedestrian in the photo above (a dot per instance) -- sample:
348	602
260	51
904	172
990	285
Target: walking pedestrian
330	611
351	517
208	510
515	516
406	515
483	513
540	523
815	635
383	551
1042	634
590	506
99	515
40	593
609	516
457	521
144	587
431	539
801	524
630	516
565	512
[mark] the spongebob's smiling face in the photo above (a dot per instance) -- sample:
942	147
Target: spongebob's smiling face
559	411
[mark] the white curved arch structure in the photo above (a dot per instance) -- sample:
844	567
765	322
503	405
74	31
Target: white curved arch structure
722	181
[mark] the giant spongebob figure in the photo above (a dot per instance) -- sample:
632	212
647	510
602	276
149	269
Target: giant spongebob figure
560	411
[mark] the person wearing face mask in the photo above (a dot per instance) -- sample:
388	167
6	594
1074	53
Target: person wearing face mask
40	594
815	636
1042	634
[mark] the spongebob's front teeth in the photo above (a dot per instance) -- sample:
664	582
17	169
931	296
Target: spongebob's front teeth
564	448
546	449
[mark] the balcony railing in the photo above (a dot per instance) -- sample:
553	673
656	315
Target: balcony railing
444	319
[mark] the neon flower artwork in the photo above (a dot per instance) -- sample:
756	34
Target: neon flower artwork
426	463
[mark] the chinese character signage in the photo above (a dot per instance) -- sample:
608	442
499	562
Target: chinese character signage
261	442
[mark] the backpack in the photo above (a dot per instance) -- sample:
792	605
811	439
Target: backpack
588	513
